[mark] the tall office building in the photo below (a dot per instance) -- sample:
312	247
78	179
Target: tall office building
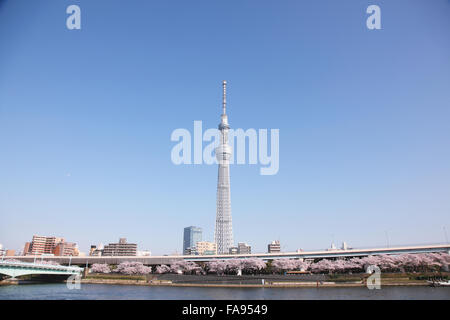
191	236
223	235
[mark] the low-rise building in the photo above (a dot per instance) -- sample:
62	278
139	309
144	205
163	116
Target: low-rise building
66	249
92	249
43	245
6	252
274	247
244	248
233	250
122	248
96	250
345	246
206	247
332	247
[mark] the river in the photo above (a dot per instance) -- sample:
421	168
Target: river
59	291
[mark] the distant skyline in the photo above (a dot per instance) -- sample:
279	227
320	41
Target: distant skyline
86	117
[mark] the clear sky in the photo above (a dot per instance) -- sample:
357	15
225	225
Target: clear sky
86	117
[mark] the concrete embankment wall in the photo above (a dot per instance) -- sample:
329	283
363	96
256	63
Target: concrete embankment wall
233	279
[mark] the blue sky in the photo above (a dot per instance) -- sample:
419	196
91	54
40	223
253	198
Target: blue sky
86	117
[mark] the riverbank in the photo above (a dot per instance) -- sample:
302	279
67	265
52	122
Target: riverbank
284	284
265	280
9	282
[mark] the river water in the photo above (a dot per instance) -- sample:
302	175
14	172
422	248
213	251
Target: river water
60	291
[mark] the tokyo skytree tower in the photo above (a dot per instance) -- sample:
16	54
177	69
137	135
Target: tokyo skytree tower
224	231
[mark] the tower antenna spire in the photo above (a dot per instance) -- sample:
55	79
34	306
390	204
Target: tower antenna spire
224	101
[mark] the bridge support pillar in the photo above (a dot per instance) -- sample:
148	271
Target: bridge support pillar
85	272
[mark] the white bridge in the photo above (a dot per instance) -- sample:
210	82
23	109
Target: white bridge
15	269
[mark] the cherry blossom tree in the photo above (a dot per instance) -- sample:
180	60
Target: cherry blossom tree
133	268
234	265
216	266
253	265
303	265
162	269
340	265
281	265
100	268
323	266
187	267
439	261
387	263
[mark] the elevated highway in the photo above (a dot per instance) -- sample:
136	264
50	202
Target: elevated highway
157	260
